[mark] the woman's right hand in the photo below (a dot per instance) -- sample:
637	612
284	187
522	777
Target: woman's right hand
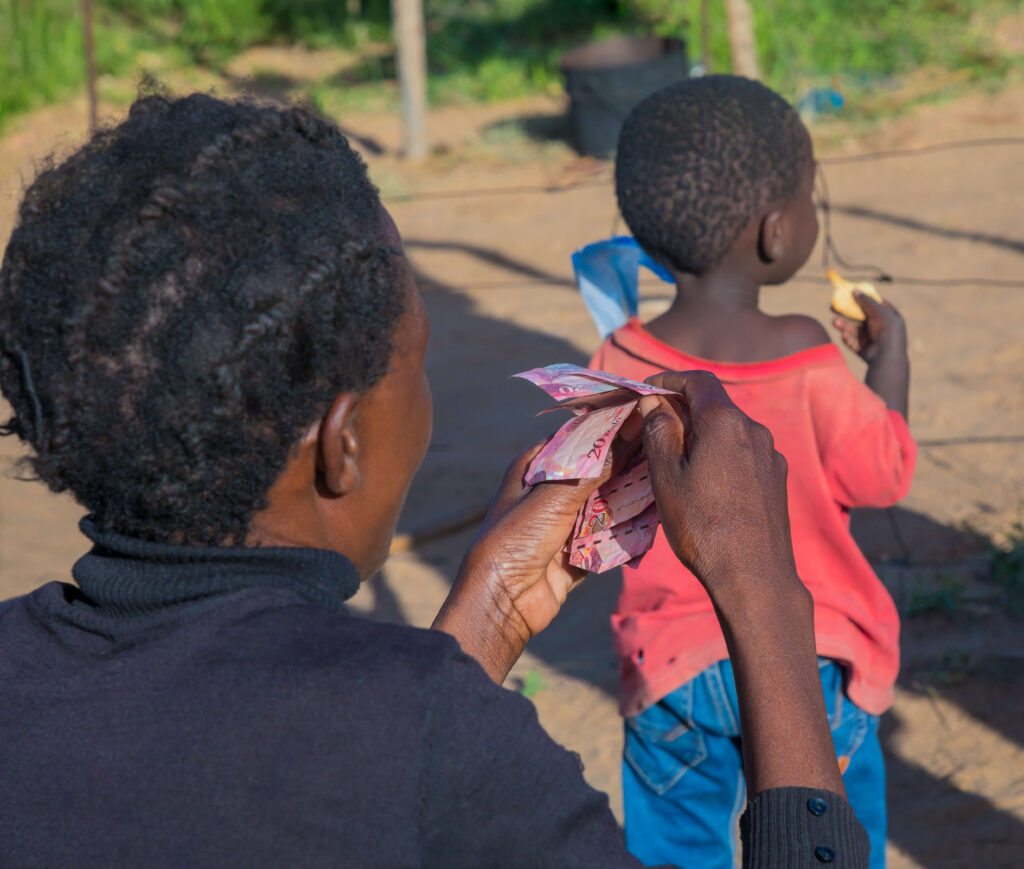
721	492
719	483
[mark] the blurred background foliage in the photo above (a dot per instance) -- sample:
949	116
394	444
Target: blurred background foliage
493	49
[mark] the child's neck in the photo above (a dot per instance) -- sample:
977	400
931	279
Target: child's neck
722	291
715	316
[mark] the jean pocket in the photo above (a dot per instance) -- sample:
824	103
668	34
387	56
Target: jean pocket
850	730
661	747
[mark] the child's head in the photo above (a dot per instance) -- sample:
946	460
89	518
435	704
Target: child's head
699	160
183	298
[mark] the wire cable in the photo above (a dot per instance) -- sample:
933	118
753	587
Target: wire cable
830	252
870	156
836	160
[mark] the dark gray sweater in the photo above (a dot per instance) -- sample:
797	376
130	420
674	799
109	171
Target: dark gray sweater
220	707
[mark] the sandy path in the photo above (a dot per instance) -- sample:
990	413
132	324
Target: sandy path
496	276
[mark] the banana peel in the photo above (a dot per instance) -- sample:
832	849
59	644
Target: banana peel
843	301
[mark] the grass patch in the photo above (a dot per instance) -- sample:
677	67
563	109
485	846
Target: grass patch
532	684
500	49
1006	566
856	45
941	596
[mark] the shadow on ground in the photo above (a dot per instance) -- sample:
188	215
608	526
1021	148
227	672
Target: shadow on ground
535	128
1015	245
483	419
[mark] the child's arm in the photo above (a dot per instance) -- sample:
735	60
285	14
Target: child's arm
881	341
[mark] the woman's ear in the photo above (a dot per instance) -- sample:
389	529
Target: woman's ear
771	241
338	449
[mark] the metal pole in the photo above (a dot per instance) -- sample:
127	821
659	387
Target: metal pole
90	62
411	52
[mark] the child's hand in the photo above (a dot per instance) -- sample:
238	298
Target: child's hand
883	331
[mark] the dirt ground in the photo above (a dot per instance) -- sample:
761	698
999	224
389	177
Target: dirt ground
494	267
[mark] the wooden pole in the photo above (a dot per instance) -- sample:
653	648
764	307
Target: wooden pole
742	39
411	53
90	62
705	36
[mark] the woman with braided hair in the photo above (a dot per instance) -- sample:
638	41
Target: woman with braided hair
210	336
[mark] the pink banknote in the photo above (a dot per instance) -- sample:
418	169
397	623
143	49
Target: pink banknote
622	498
565	380
619	544
618	523
579	448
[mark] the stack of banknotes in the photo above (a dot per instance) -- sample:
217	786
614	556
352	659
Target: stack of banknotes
618	522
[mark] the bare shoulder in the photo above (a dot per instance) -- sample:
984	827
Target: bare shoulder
796	332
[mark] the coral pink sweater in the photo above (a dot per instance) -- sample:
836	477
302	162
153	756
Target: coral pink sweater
844	449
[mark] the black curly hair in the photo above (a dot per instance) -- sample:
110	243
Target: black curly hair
698	159
181	299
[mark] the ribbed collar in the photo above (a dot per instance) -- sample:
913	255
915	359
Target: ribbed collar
123	577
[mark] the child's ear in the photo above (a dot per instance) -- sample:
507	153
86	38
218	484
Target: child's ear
338	448
771	241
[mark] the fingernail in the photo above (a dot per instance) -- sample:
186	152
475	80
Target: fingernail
648	404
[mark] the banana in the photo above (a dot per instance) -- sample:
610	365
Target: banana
843	302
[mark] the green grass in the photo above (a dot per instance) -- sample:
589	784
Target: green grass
40	53
41	44
532	684
1006	569
857	45
498	49
942	595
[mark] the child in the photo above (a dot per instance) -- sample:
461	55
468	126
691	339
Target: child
714	177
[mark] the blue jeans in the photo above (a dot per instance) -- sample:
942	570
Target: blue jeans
682	776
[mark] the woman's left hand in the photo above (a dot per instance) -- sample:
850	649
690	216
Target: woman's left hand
517	575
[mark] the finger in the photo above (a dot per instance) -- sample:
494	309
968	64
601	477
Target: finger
627	443
514	483
549	511
850	331
513	486
701	389
664	433
874	311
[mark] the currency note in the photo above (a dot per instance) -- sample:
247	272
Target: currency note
579	448
624	496
620	544
619	521
565	380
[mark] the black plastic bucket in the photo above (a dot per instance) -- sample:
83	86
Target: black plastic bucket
606	79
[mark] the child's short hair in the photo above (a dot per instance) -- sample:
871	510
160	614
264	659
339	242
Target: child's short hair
698	159
181	299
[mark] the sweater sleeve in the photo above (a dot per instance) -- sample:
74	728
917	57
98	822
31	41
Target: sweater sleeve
802	828
497	791
867	451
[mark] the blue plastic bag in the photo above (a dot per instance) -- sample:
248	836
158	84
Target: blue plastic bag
607	274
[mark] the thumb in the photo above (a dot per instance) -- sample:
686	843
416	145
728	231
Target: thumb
663	432
871	308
